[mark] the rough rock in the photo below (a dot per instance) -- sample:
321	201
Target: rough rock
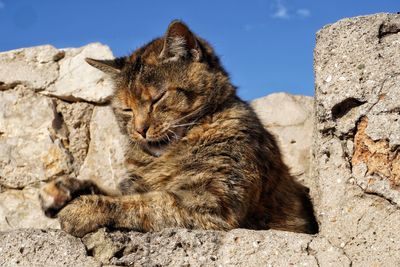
78	80
31	139
104	162
43	137
31	247
181	247
21	209
62	73
76	117
290	119
326	254
356	138
35	67
170	247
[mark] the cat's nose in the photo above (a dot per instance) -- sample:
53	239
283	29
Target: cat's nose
142	130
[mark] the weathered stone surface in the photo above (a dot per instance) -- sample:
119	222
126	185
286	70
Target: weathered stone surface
31	247
170	247
326	254
181	247
78	80
76	117
62	73
21	209
104	162
357	136
376	166
35	67
290	119
31	139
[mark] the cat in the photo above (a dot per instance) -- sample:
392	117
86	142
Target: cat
198	157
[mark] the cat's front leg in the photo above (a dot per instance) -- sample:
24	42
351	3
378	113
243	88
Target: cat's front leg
86	214
57	194
152	211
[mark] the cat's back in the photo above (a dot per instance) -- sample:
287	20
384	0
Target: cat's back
277	200
233	121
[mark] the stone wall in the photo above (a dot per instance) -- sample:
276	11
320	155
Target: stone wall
357	137
53	122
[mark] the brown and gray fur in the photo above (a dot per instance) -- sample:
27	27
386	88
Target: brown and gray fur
198	158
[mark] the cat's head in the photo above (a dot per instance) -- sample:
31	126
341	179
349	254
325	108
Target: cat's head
165	86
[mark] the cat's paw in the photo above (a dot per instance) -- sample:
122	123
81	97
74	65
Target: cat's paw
81	216
56	194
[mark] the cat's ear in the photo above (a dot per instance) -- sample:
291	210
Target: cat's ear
109	66
180	42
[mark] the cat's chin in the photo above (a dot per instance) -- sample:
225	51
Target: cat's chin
155	150
157	147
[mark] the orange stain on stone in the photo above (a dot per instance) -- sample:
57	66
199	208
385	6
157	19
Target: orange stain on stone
377	155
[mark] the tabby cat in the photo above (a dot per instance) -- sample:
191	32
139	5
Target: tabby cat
198	158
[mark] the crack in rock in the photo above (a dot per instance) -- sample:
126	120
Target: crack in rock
388	28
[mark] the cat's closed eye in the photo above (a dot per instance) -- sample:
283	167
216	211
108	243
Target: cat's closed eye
158	98
125	111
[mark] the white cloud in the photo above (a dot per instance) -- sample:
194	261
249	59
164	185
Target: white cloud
281	11
303	12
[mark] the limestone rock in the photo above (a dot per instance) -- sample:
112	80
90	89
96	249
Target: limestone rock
62	73
42	248
104	162
31	139
170	247
357	135
21	209
181	247
76	117
326	254
35	67
265	248
78	80
290	119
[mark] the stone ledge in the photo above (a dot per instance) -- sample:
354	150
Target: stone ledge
170	247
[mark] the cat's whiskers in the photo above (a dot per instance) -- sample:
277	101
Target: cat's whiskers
135	144
132	145
195	112
175	135
169	139
184	124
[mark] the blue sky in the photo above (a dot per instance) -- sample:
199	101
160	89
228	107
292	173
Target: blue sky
266	45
